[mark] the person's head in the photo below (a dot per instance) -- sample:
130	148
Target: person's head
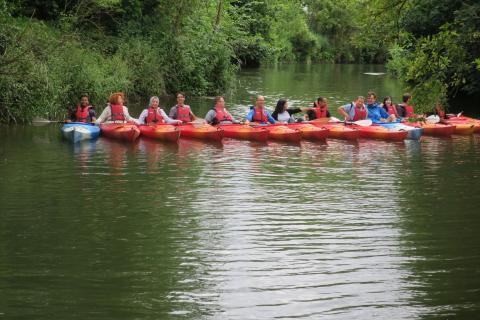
360	101
406	97
154	102
84	100
282	105
371	97
260	103
180	98
322	101
116	98
387	101
219	102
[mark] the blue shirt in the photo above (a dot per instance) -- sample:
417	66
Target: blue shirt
376	112
252	112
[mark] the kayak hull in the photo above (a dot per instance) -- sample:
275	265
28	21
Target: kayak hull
310	131
339	131
120	131
282	133
202	132
244	132
160	132
463	128
381	133
413	133
79	131
466	120
434	129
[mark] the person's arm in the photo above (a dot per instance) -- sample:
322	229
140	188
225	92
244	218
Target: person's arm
250	115
342	110
71	115
328	114
168	119
270	118
293	110
173	113
311	115
233	119
143	115
210	116
104	116
92	114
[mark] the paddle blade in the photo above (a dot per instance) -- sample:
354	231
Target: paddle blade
363	123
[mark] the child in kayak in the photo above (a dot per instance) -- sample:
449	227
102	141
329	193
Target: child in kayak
154	114
354	111
375	112
389	107
181	111
218	114
83	112
319	110
115	111
283	114
258	113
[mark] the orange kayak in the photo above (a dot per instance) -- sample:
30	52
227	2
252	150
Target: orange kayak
463	128
463	124
282	133
339	131
163	132
202	131
310	131
121	131
434	129
244	132
381	133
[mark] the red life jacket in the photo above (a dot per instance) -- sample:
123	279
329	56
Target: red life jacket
222	115
154	116
183	113
441	114
116	112
319	112
360	113
392	110
409	111
81	115
260	115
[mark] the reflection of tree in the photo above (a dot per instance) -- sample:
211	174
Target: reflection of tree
440	225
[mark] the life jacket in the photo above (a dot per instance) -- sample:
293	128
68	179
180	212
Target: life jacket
116	111
260	115
153	116
183	113
221	115
441	114
360	113
319	112
391	110
81	115
409	111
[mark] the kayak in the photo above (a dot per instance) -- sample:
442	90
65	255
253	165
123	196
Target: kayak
200	131
120	131
463	128
281	132
78	131
165	132
310	131
413	133
476	122
434	129
244	132
381	133
463	123
340	131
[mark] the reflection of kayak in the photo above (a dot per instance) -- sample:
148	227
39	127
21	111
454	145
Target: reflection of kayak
78	131
381	133
201	131
340	131
309	131
434	129
163	132
121	131
413	133
282	132
244	132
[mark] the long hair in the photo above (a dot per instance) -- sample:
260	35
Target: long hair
114	97
385	102
280	106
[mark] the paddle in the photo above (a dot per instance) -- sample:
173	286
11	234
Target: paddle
198	122
361	123
432	119
42	120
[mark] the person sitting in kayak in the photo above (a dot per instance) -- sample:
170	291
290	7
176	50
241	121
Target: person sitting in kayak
283	113
181	111
319	110
154	114
218	114
405	109
377	113
389	107
355	110
83	112
258	113
115	111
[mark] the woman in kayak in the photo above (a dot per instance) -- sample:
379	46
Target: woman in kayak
115	110
83	112
218	114
258	113
319	110
154	114
355	110
375	112
181	111
405	109
389	107
283	114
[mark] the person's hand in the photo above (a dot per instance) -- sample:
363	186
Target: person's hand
68	120
179	121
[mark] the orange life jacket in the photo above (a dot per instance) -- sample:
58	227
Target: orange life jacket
260	116
320	112
183	113
409	111
81	115
154	116
116	111
222	115
360	112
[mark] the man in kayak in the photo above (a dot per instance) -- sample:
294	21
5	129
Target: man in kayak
405	109
258	113
375	112
319	110
83	112
115	111
154	114
218	114
181	111
355	110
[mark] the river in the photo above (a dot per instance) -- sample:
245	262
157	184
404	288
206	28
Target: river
242	230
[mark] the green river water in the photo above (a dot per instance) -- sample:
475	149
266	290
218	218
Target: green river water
242	230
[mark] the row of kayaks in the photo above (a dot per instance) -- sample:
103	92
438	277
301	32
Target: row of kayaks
294	132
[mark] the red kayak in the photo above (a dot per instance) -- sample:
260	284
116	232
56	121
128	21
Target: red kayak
200	131
310	131
340	131
464	124
165	132
244	132
434	129
281	132
120	131
381	133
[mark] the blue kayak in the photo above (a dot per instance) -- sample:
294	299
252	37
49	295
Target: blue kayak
413	132
78	131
